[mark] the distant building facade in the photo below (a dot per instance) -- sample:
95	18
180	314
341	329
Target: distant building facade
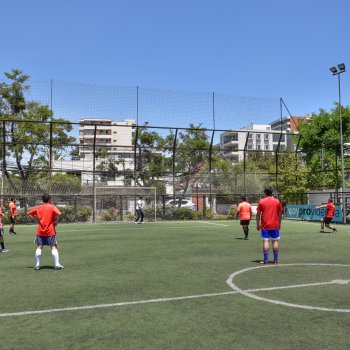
259	137
254	137
290	125
114	136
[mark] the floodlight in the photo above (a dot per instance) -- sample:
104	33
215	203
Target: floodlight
333	70
341	67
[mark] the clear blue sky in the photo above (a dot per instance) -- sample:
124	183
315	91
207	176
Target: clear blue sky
271	48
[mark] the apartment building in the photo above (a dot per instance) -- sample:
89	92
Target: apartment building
259	137
290	125
113	136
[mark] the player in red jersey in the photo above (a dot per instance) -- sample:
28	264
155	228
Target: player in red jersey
47	216
326	221
268	220
13	214
244	210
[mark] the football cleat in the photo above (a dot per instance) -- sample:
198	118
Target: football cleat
59	267
37	268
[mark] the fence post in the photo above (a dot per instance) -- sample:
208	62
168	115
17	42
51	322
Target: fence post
94	175
204	207
121	207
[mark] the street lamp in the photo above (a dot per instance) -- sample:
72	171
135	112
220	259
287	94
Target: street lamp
338	71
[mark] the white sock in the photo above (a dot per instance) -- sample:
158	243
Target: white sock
37	256
54	253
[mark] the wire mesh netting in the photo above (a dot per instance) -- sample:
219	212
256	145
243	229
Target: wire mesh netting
198	150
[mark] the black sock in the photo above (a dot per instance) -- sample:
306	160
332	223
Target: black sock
2	245
245	230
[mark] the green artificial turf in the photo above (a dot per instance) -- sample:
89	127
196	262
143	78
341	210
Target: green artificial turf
136	264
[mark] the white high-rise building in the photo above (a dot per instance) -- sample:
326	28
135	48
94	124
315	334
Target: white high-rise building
114	136
257	137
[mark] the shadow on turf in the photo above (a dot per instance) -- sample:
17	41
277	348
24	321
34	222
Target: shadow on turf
258	262
42	267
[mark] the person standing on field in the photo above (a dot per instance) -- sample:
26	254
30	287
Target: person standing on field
244	211
326	221
47	216
268	220
139	211
13	214
2	244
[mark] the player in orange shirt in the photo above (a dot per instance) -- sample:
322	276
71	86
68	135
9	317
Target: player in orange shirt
268	220
47	216
13	214
244	210
3	249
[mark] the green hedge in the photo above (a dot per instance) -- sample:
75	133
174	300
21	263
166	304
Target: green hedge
80	213
110	215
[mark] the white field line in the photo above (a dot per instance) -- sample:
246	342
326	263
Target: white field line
124	228
212	223
248	294
149	301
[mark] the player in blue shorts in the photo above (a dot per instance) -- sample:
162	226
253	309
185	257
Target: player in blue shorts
268	220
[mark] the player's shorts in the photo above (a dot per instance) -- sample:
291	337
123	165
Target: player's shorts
327	220
245	222
12	219
45	240
1	232
273	234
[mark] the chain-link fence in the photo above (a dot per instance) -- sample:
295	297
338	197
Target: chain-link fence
205	149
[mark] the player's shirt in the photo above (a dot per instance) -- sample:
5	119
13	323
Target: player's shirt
270	209
46	214
245	210
330	210
13	209
1	225
139	204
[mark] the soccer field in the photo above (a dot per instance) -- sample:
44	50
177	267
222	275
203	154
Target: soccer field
176	285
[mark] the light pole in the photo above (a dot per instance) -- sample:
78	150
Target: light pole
338	71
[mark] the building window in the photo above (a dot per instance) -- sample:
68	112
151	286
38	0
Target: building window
235	159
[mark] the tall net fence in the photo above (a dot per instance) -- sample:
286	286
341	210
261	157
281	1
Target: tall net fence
200	151
165	108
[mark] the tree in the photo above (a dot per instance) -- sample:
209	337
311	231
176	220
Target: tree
319	142
28	128
192	153
151	162
291	179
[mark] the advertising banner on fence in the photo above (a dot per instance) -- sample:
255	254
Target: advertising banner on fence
310	213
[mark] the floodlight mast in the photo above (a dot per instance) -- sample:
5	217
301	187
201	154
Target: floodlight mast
338	71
